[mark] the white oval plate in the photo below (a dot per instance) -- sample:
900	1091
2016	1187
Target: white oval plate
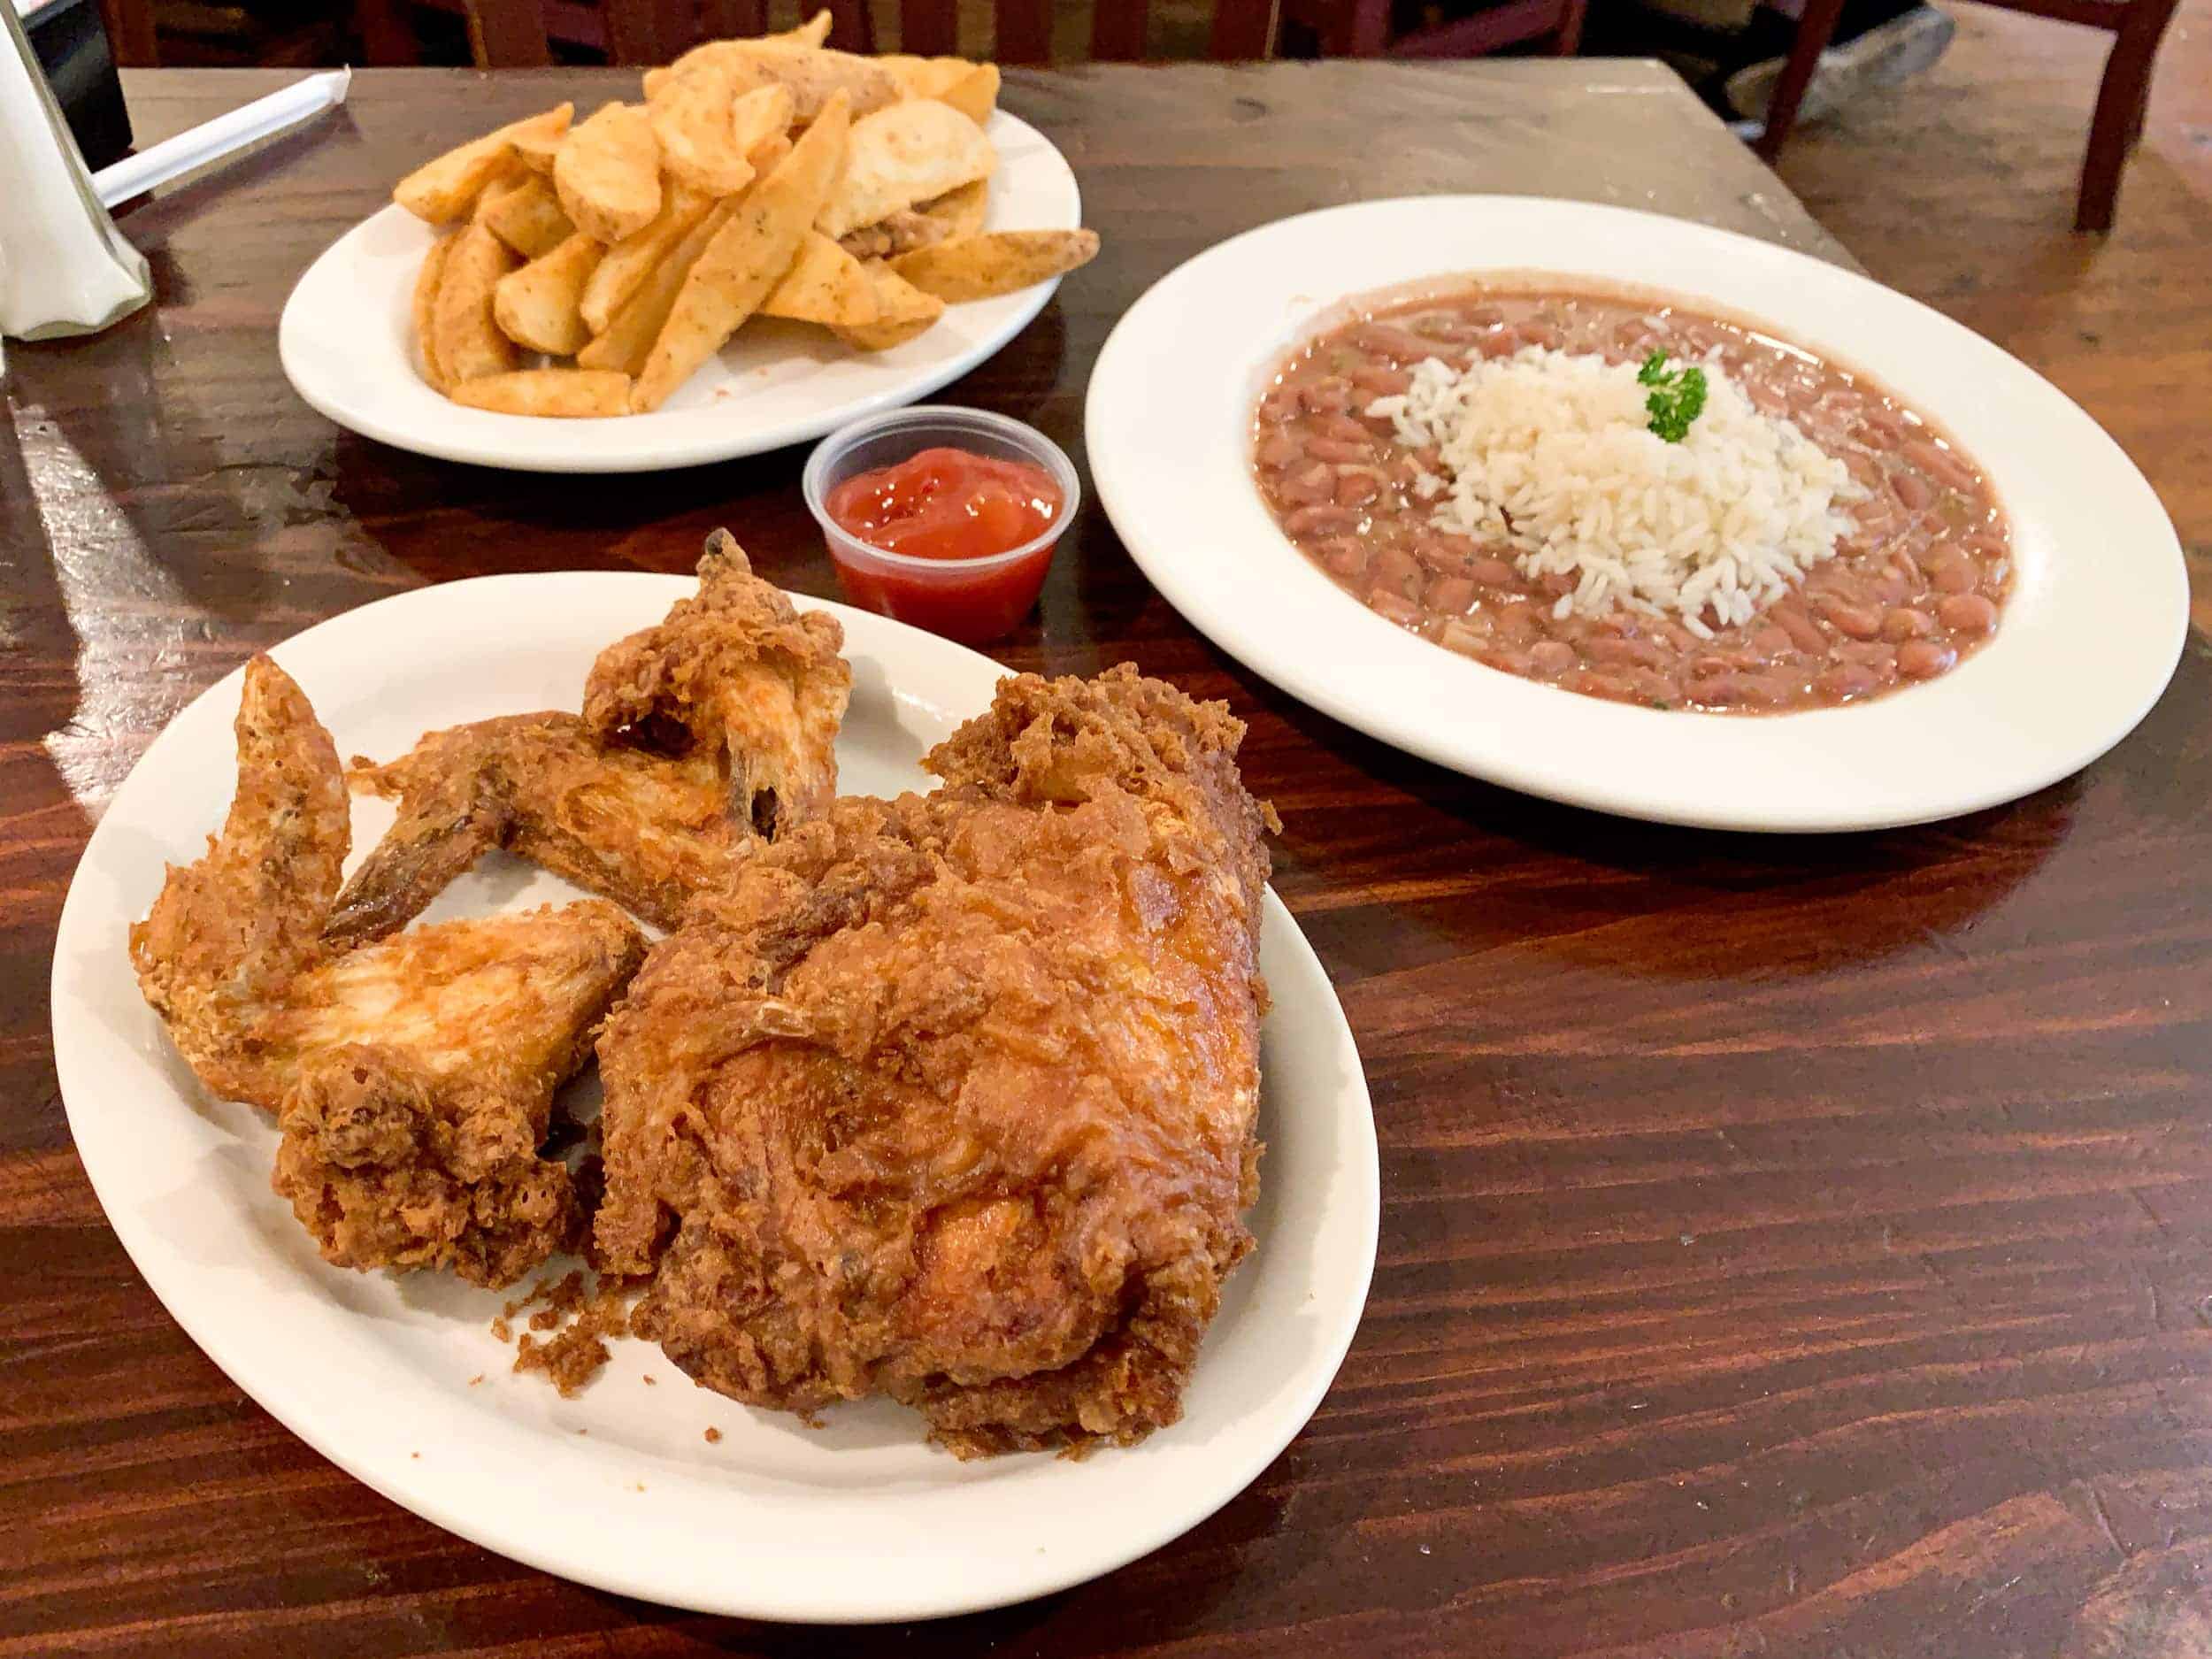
345	341
860	1520
2088	641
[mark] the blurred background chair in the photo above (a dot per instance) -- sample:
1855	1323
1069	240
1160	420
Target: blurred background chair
2114	129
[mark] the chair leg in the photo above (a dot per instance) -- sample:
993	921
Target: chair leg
2123	97
1568	41
1815	29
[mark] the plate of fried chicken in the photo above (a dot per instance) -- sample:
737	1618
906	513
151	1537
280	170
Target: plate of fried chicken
697	1094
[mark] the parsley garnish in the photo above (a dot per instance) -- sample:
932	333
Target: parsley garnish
1677	397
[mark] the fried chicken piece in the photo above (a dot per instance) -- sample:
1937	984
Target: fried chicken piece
425	1089
413	1079
645	830
746	678
953	1098
747	694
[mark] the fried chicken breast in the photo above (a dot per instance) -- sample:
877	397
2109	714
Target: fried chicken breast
953	1098
413	1080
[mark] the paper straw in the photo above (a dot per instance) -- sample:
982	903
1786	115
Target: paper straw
225	136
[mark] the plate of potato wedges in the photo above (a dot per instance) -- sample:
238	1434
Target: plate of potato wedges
772	239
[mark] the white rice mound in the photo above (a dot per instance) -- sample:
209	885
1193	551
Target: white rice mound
1551	453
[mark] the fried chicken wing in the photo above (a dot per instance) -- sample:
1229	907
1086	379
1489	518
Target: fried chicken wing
424	1089
645	830
745	677
717	725
953	1098
413	1079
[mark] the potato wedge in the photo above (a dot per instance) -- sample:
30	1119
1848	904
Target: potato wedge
760	117
444	189
768	155
629	335
908	153
608	174
426	280
700	146
811	74
824	285
630	261
961	212
564	394
810	34
997	262
536	306
526	215
747	258
902	311
536	151
467	340
972	88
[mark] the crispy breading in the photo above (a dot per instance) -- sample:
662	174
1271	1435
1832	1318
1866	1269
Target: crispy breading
425	1089
954	1097
743	676
424	1067
645	830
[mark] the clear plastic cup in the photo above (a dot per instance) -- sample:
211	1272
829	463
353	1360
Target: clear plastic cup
971	600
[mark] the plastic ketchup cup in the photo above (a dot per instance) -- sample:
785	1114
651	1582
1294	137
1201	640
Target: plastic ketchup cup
970	599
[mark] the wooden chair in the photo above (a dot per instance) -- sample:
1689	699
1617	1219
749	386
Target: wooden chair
518	33
1367	28
1023	29
2122	95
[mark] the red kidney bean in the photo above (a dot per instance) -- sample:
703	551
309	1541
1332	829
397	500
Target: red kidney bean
1508	662
1354	488
1337	451
1382	382
1558	584
1332	396
1925	659
1860	622
1396	606
1628	653
1907	624
1279	405
1552	656
1279	451
1399	345
1306	520
1913	491
1844	680
1967	613
1942	465
1771	641
1345	429
1955	575
1398	570
1308	486
1344	555
1449	594
1491	572
1517	623
1457	636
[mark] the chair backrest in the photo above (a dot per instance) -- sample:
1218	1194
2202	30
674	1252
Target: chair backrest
513	34
1023	29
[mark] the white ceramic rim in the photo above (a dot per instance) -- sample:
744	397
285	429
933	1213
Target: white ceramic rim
500	1465
776	384
2089	639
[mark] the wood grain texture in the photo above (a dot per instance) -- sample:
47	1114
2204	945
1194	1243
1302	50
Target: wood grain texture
1790	1247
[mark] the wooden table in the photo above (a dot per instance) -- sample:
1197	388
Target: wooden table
1789	1246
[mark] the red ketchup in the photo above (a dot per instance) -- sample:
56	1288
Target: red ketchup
950	516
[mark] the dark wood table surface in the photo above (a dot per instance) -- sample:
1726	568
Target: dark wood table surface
1789	1246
